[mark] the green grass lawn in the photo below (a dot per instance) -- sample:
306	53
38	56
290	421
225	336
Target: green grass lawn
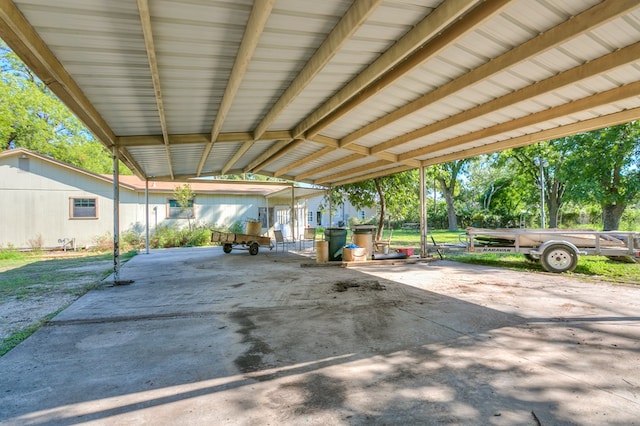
26	277
598	267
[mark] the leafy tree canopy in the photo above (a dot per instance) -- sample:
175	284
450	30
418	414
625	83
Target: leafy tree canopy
32	117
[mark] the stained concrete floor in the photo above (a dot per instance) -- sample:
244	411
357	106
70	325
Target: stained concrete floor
203	337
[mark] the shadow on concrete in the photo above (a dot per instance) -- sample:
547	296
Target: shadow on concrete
207	338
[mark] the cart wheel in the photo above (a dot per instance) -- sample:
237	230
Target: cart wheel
227	248
253	249
559	258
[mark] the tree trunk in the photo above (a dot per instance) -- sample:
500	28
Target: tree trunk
383	208
451	211
611	214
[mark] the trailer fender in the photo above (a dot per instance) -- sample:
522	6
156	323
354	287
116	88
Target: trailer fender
541	248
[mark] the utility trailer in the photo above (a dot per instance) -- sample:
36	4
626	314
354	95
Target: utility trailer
230	240
556	249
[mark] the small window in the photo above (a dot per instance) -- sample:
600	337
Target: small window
310	217
84	208
361	214
176	211
319	218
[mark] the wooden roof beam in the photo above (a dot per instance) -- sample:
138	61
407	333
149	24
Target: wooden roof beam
145	20
16	31
352	171
400	58
341	33
598	66
234	159
593	17
282	151
253	30
580	105
332	165
373	175
544	135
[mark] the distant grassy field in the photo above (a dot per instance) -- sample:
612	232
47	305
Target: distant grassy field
598	267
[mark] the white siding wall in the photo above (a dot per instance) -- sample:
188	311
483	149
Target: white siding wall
36	203
343	213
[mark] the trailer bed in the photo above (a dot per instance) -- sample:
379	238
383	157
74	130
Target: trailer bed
557	249
230	240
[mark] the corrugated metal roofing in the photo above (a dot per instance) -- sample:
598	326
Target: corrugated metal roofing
329	91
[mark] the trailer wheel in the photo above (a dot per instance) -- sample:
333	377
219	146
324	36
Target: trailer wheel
253	249
227	248
559	258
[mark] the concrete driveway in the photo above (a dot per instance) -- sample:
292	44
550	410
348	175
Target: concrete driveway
203	337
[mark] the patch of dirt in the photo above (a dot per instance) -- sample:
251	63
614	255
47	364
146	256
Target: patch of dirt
43	295
362	285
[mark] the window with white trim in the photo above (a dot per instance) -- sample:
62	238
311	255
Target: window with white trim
176	211
83	208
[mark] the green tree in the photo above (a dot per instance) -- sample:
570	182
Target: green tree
528	176
605	168
184	196
32	117
394	195
447	175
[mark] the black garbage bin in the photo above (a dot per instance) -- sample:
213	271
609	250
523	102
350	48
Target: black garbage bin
337	238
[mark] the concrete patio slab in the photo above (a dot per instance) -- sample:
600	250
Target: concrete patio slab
203	337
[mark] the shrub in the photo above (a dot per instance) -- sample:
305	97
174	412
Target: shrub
37	243
237	227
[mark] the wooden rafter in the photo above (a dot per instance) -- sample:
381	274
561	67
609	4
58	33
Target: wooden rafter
26	43
352	172
580	105
331	165
597	66
145	20
400	59
316	155
544	135
255	26
372	175
593	17
344	29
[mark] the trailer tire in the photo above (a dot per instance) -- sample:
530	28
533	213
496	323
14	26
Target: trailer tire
559	258
227	248
253	249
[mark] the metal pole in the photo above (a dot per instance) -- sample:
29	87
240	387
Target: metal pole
329	192
293	212
116	215
146	197
542	193
423	213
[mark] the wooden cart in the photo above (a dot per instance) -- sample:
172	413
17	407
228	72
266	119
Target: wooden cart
230	240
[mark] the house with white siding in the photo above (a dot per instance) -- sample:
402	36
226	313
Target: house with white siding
48	203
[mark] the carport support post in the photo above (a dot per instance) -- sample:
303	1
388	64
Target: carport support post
146	207
423	213
293	212
116	215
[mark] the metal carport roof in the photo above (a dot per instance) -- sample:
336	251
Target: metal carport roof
332	91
